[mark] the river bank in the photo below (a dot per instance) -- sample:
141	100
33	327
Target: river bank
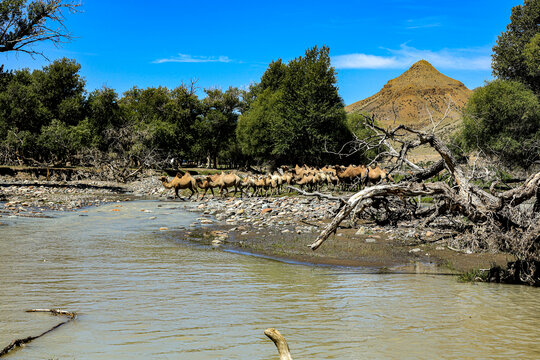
279	227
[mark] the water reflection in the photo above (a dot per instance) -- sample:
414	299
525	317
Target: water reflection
143	294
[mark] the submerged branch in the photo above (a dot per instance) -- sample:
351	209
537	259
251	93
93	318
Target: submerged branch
20	342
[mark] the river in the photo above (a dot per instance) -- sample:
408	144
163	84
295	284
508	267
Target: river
142	293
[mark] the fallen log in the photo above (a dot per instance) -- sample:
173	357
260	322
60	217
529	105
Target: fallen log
20	342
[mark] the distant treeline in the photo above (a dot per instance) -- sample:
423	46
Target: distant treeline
293	115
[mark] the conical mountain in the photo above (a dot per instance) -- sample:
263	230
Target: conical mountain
415	98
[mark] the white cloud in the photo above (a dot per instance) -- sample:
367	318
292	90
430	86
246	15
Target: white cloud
185	58
423	23
364	61
405	56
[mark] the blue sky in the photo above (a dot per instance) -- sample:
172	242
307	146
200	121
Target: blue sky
124	43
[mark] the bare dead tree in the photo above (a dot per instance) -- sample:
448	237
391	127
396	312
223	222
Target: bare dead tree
23	24
494	220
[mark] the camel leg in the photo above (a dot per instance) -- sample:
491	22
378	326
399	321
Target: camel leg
192	192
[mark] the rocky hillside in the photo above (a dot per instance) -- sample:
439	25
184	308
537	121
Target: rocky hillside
407	99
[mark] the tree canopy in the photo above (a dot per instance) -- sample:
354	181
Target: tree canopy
516	54
24	23
503	117
297	113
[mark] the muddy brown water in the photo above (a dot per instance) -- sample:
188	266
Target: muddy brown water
143	294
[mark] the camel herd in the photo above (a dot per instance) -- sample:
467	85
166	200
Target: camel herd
344	178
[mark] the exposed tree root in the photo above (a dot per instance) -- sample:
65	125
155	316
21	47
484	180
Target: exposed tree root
20	342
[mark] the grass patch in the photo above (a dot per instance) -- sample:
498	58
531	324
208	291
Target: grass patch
474	275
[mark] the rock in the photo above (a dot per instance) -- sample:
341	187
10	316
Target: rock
440	248
265	211
361	231
163	228
429	233
240	212
415	250
285	231
206	221
152	218
216	242
370	240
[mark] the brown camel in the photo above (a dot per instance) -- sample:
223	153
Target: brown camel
377	174
250	182
181	182
205	184
225	181
351	173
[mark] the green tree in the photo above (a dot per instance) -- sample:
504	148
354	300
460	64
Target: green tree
257	127
184	110
515	54
146	111
104	113
216	129
299	103
21	108
503	119
60	143
24	23
62	90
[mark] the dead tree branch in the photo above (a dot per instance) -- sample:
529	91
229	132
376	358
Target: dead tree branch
22	26
20	342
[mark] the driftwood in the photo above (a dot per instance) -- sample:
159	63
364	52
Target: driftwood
20	342
495	217
280	342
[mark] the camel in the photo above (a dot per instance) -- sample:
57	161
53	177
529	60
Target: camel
251	182
287	178
351	173
264	183
377	174
185	181
205	184
310	180
225	181
276	181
